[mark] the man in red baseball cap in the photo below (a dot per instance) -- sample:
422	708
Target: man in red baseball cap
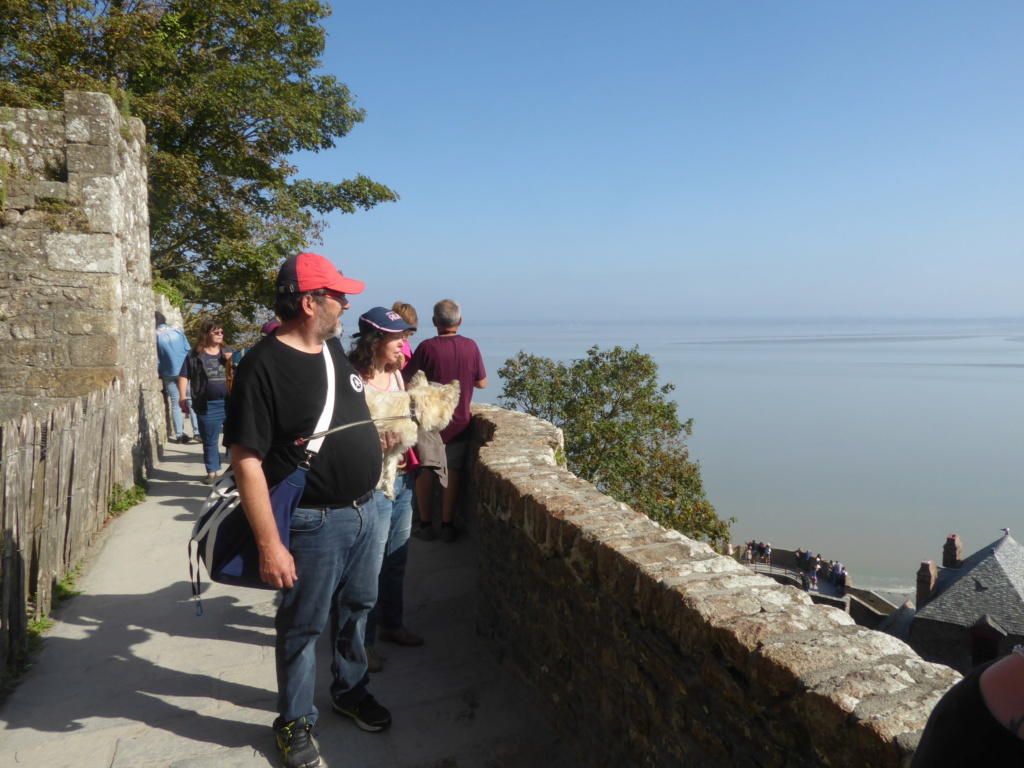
331	563
310	271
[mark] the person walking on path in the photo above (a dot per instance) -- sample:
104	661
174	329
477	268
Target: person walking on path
328	573
377	355
171	350
265	330
445	358
205	371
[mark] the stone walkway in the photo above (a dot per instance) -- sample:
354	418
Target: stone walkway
130	677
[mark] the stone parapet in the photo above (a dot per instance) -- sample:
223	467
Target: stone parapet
646	648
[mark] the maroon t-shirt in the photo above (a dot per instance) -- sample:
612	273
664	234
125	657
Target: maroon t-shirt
445	359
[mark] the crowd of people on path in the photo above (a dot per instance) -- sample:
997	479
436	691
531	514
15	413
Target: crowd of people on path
810	568
757	552
344	564
813	569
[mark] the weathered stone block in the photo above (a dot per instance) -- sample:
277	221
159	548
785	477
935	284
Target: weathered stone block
36	326
71	382
34	219
88	129
50	190
12	377
92	159
83	252
95	351
101	204
84	323
85	104
33	353
105	293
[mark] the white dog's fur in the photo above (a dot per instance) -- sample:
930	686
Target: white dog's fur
434	404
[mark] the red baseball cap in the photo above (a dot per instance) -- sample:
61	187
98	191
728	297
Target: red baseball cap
310	271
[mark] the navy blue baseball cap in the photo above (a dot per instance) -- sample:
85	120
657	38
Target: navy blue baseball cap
382	319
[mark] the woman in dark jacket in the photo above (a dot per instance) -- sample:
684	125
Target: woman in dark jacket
206	368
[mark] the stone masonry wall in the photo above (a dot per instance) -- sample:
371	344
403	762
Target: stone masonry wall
76	305
645	648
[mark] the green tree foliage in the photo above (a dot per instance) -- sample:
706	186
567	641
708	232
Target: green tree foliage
621	432
227	89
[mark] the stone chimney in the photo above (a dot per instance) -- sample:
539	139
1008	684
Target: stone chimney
926	576
952	552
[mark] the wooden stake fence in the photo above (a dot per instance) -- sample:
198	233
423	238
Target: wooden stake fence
56	475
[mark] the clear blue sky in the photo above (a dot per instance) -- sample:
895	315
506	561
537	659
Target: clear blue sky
574	161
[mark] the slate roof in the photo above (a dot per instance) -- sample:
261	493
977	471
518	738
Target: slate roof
991	581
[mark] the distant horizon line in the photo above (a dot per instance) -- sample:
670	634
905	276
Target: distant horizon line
764	320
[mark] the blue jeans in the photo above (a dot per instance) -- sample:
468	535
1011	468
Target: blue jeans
171	388
336	561
394	528
210	425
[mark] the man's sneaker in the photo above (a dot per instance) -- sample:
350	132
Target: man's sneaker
296	744
424	532
402	636
368	714
184	440
374	663
449	533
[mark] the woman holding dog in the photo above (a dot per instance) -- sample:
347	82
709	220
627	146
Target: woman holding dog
377	356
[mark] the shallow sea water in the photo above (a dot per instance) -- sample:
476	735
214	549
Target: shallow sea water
866	441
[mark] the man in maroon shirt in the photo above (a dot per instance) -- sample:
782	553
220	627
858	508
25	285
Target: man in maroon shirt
445	358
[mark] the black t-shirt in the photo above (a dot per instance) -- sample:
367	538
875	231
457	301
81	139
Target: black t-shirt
961	731
278	396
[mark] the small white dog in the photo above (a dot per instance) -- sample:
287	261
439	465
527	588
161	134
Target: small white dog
431	407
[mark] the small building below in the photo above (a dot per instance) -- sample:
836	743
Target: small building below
971	610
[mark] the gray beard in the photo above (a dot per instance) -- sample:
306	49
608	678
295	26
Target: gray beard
324	329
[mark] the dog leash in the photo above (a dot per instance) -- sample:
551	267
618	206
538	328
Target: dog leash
303	440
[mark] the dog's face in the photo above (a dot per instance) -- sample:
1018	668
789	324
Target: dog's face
435	403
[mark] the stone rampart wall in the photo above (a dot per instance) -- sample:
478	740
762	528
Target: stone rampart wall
76	304
646	648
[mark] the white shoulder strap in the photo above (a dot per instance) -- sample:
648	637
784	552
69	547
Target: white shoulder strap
325	418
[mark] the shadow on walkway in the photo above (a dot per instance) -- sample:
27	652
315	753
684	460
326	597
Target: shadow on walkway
130	677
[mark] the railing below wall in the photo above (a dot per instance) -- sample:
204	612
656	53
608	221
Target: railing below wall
56	474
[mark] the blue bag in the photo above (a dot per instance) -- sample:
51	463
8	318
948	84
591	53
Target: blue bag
223	538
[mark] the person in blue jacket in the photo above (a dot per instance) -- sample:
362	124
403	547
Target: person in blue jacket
171	349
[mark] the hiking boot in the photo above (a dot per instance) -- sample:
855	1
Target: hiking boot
449	533
368	714
374	663
402	636
424	532
295	741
